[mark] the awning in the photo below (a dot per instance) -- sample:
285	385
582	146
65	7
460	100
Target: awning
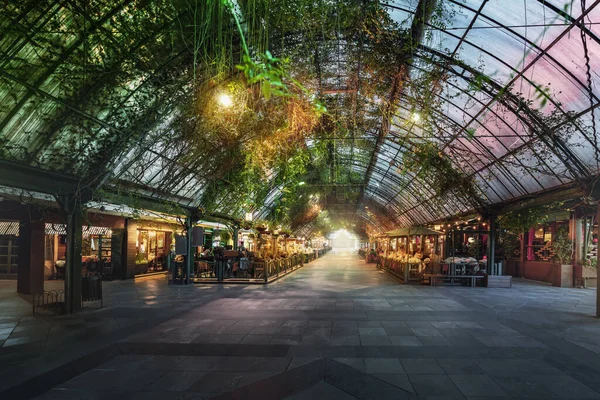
412	231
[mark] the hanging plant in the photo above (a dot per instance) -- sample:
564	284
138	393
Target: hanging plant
521	221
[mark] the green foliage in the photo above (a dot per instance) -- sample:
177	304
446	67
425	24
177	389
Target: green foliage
474	248
151	87
591	262
509	243
522	220
225	236
428	163
562	246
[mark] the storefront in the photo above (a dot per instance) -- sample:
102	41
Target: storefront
538	259
152	246
96	250
9	232
247	240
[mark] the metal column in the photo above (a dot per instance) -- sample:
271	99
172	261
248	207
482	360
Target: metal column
491	245
236	237
72	207
189	256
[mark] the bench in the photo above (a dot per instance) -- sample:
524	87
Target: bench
434	277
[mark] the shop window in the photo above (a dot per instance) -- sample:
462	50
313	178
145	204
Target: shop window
8	255
152	246
538	241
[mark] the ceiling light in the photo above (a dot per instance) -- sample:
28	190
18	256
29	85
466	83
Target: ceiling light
415	117
224	100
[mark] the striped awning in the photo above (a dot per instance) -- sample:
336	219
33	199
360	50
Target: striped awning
9	228
61	229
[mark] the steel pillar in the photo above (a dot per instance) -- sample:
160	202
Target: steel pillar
72	207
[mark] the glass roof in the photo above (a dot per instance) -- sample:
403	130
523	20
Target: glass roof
101	93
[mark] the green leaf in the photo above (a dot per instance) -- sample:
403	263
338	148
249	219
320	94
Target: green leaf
266	89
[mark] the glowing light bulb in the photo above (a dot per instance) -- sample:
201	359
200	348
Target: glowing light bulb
416	117
224	100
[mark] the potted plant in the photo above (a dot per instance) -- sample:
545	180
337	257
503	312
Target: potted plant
562	247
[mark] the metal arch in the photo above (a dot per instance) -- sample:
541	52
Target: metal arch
566	16
530	43
56	64
81	113
471	70
412	180
567	152
405	185
399	150
504	27
487	107
391	197
424	7
521	73
400	186
151	77
266	207
478	13
491	95
574	160
308	227
46	13
506	175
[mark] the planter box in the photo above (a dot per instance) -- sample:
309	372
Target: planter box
499	281
589	272
589	276
563	276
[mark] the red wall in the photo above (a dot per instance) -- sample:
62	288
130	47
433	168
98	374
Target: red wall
538	271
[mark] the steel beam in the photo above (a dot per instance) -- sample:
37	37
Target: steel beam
21	176
423	13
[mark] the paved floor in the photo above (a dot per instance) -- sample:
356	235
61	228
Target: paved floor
336	329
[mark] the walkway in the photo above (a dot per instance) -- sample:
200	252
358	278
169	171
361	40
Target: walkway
336	329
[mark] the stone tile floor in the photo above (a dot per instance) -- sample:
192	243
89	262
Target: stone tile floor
336	329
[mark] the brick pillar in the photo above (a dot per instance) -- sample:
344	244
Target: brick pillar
30	261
